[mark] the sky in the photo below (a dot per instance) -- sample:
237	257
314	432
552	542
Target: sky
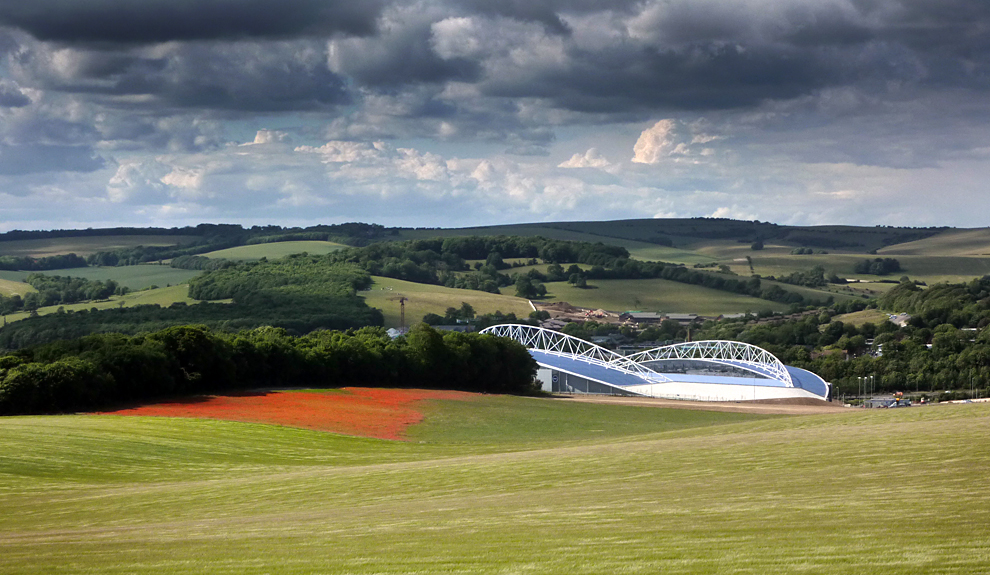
473	112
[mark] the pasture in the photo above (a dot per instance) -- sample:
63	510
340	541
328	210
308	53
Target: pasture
655	295
132	277
164	297
85	246
275	250
964	242
425	298
858	318
13	287
502	485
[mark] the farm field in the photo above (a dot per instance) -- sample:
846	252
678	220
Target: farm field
581	489
425	298
930	269
85	246
655	295
971	242
275	250
164	297
133	277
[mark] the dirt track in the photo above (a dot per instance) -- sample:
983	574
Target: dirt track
775	407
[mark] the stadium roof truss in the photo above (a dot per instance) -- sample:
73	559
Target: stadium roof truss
729	353
556	343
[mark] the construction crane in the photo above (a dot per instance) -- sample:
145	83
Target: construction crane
402	309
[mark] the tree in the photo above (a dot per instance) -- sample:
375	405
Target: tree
525	288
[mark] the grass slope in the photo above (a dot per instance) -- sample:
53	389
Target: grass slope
85	246
275	250
973	242
424	299
11	287
850	493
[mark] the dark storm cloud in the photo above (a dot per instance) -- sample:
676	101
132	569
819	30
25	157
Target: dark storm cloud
150	21
37	158
256	77
704	78
546	12
401	54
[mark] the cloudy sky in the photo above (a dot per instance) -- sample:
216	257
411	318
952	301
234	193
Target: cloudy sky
466	112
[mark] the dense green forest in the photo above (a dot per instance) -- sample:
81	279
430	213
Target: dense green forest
106	369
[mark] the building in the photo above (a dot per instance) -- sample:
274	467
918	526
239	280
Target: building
700	370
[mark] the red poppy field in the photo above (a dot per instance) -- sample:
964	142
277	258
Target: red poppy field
365	412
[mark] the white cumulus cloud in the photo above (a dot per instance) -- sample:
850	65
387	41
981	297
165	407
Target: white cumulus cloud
590	159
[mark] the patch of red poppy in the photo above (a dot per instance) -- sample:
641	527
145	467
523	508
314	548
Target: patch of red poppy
365	412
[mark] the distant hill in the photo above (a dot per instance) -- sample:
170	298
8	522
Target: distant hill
683	232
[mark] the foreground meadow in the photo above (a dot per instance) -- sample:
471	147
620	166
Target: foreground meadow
502	485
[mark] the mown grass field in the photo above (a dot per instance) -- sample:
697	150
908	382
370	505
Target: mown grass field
424	299
164	297
511	485
656	295
275	250
85	246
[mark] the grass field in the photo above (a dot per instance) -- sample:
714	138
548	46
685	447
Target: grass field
11	287
974	242
503	485
132	277
656	295
85	246
858	318
164	297
424	299
275	250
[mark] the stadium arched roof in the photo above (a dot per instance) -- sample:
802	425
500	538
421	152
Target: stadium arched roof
713	369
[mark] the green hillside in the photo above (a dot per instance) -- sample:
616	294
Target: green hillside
275	250
164	297
83	246
12	287
131	277
507	485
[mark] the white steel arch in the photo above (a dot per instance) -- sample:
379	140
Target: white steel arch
557	343
731	353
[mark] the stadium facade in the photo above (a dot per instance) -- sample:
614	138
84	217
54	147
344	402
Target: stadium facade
698	370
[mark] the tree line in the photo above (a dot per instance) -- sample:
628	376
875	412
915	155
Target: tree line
25	263
102	370
57	290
